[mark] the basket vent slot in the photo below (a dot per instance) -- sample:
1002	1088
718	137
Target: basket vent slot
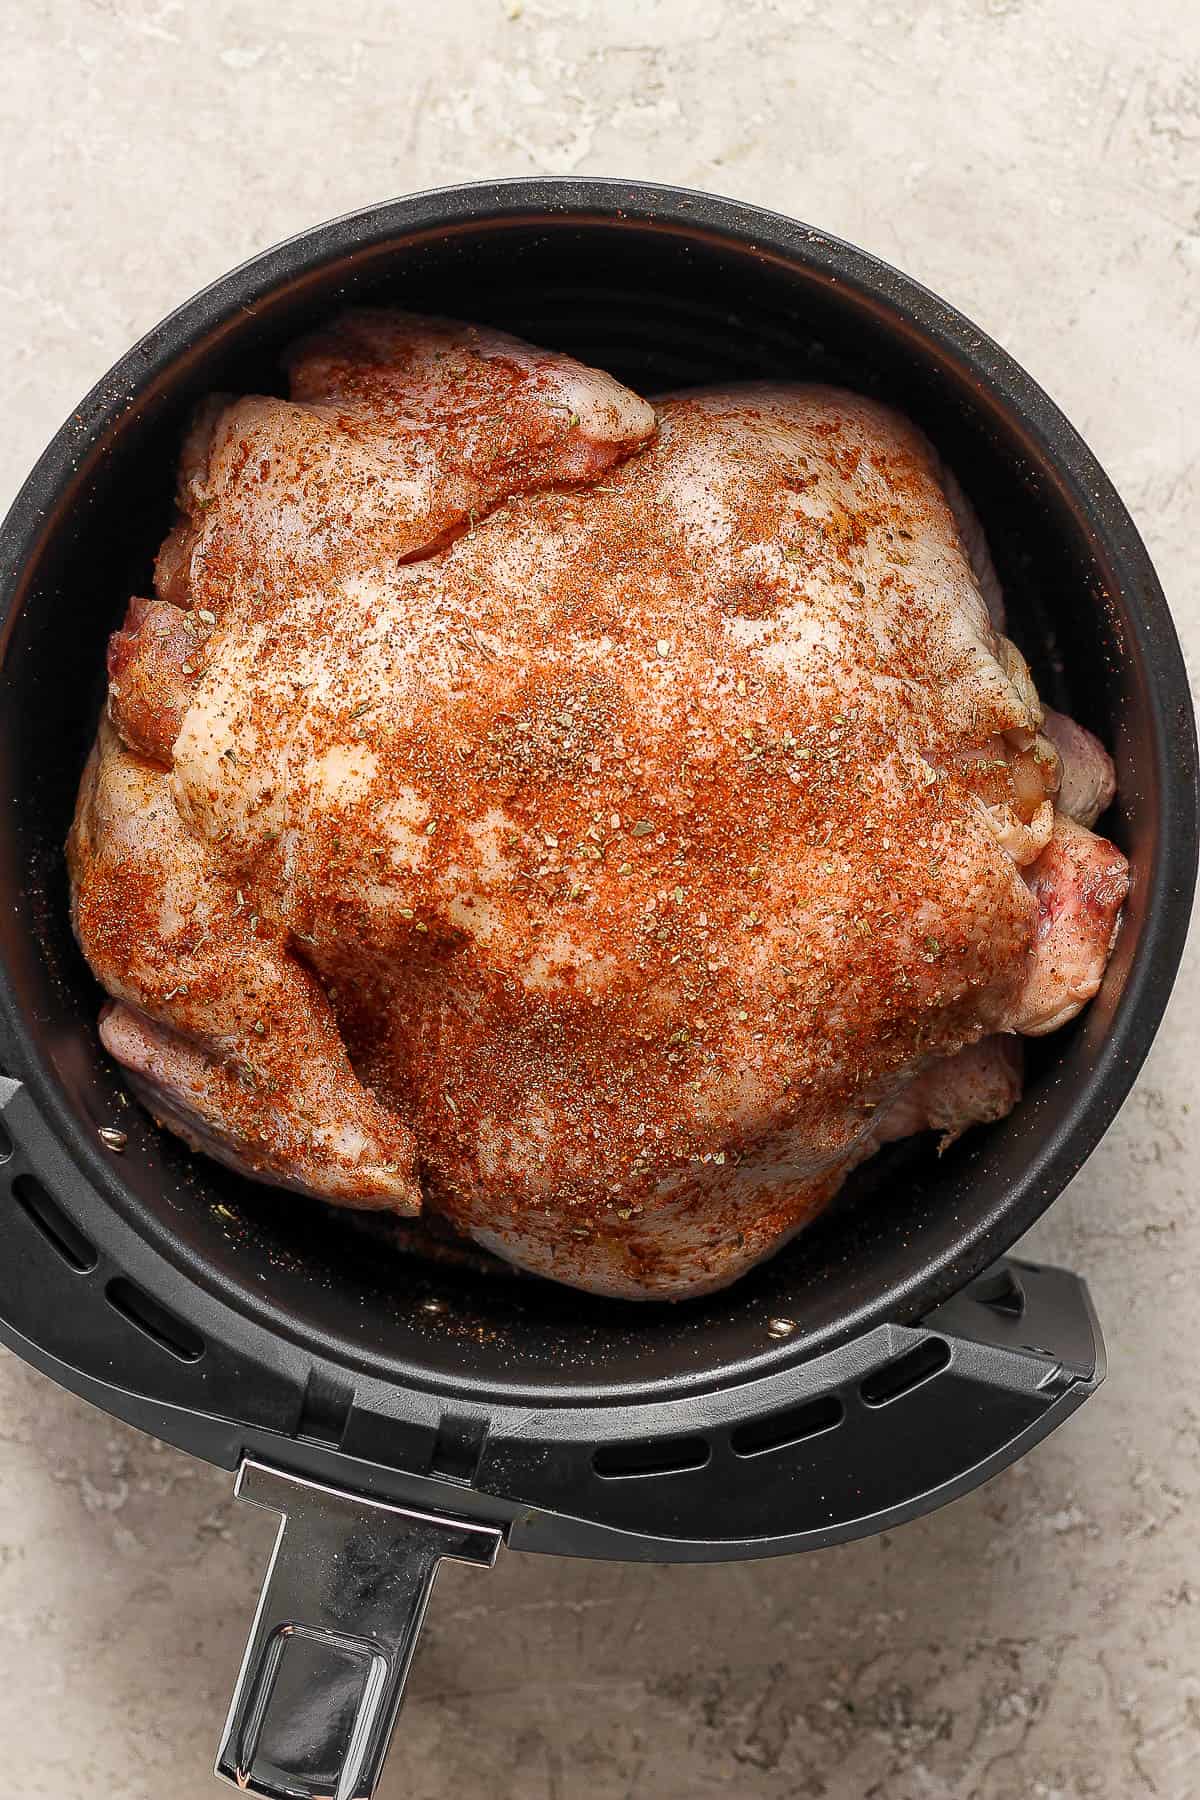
782	1429
59	1231
326	1408
650	1456
153	1320
458	1446
929	1358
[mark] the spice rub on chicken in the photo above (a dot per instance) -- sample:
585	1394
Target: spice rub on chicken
601	824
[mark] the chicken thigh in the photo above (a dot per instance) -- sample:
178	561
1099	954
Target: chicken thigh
599	824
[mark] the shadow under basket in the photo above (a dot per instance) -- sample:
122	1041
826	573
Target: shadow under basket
396	1407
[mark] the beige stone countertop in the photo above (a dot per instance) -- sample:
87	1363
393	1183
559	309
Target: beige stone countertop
1038	163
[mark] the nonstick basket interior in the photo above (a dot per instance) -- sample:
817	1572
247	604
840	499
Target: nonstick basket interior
662	303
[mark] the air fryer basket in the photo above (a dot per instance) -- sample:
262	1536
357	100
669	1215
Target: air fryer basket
235	1320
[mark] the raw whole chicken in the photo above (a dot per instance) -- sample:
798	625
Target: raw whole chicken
598	824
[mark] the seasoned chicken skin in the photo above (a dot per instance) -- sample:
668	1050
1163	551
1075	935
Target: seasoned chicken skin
600	824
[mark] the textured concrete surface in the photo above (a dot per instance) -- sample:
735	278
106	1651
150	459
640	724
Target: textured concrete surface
1038	161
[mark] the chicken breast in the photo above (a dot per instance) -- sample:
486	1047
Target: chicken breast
596	823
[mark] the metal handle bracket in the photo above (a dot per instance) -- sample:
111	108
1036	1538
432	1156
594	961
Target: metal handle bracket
323	1676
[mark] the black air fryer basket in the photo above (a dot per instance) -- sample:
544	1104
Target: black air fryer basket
395	1410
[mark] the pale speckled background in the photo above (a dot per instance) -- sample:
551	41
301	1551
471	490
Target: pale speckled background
1038	162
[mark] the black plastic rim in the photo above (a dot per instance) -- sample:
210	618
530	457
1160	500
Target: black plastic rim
921	321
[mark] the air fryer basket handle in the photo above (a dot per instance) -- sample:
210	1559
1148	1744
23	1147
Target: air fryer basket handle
323	1677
